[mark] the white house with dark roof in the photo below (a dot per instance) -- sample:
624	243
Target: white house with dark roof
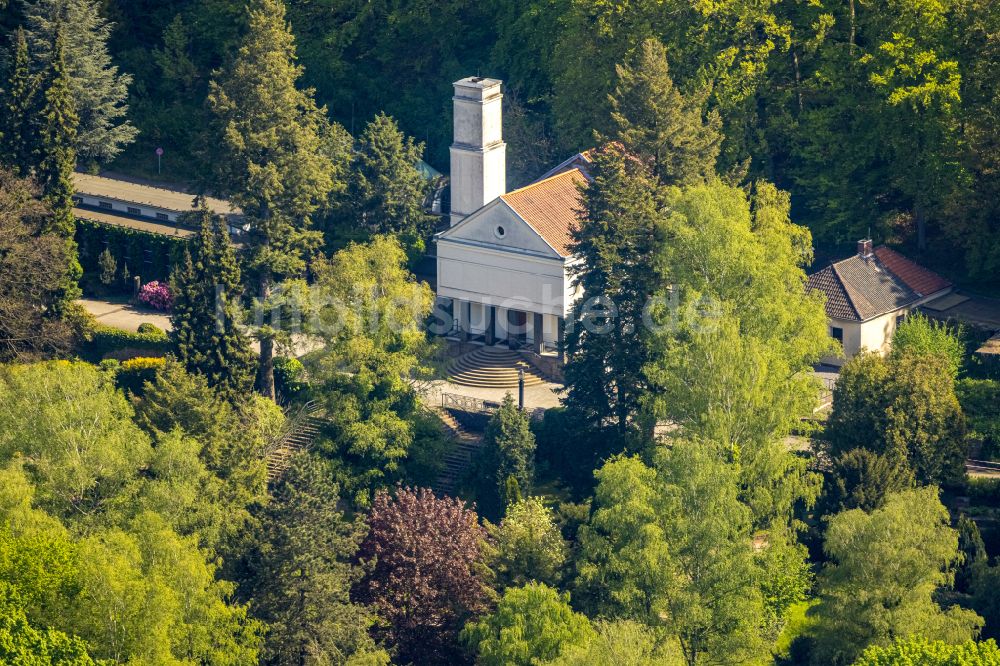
868	294
503	266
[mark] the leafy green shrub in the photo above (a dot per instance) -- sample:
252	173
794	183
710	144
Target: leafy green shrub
920	336
984	490
289	379
135	372
425	460
146	327
919	651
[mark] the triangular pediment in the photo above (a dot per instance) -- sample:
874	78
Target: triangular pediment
497	226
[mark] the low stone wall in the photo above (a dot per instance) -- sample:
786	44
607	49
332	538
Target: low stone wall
550	366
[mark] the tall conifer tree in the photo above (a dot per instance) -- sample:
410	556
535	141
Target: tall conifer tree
205	335
99	90
668	130
387	190
281	159
18	139
607	341
59	123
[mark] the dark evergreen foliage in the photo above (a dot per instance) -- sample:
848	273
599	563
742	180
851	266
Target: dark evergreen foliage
665	129
206	310
387	192
300	571
57	160
606	340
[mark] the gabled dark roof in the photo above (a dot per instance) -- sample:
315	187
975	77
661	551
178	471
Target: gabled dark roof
838	303
861	288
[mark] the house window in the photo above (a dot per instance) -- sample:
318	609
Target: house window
105	204
837	333
162	216
500	231
900	319
134	211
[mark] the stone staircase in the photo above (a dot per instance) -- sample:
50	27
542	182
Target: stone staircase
492	367
458	459
301	435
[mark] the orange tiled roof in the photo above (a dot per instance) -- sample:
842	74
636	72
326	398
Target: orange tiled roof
916	277
550	207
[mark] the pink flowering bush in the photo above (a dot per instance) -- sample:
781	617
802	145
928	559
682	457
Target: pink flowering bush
156	295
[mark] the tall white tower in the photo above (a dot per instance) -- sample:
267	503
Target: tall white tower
478	153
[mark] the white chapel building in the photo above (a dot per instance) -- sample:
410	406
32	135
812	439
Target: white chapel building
503	265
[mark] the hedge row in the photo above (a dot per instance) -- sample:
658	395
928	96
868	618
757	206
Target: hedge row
105	340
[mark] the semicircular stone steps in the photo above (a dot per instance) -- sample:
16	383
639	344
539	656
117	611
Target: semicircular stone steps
492	367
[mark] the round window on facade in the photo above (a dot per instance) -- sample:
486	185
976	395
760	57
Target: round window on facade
500	231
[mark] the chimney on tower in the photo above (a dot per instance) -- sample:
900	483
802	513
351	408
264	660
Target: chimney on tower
478	153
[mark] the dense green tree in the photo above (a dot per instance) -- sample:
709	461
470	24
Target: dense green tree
529	546
204	316
57	160
736	335
920	336
426	577
32	263
76	432
21	643
653	120
228	442
980	400
279	159
103	535
726	45
970	542
354	55
606	338
98	89
387	192
531	625
300	572
624	643
922	652
903	407
883	93
18	135
509	448
884	570
369	317
642	555
985	577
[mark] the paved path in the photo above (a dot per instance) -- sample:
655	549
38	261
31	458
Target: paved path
128	317
123	315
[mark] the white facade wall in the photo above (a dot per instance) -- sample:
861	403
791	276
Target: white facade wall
505	279
122	206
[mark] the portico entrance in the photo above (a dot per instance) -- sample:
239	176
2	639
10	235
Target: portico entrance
496	325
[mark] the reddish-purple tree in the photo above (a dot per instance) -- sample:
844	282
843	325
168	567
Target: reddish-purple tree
427	573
